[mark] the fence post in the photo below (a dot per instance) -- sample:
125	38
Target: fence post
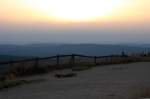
10	66
148	53
72	60
95	60
36	63
57	58
106	60
11	63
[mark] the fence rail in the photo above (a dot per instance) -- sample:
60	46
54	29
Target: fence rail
68	61
59	56
63	56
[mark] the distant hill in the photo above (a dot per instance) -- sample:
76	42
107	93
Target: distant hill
143	45
43	50
6	58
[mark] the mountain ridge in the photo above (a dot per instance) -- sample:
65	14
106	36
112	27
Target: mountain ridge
44	50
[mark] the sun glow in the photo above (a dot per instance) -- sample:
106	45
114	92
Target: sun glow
75	10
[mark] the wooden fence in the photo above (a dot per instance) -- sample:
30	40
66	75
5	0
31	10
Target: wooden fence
59	57
67	61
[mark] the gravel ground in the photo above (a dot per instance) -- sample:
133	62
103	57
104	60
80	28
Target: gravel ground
103	82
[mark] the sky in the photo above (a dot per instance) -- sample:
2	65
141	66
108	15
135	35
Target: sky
74	21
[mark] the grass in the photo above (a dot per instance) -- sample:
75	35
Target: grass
68	75
29	68
81	68
14	83
11	84
142	94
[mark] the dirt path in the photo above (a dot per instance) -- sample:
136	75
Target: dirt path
106	82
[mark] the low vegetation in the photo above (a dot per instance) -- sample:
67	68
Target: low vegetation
68	75
74	61
143	93
14	83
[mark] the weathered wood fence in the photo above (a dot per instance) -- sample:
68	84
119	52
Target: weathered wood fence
67	61
72	60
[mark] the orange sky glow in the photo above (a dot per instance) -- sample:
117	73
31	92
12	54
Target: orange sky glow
74	11
76	21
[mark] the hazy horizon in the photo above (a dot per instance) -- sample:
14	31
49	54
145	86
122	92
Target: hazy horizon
46	21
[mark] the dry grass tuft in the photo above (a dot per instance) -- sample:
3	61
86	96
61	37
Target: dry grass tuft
142	94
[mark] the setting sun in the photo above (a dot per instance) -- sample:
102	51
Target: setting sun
74	10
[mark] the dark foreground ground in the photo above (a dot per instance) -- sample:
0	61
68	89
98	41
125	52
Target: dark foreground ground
129	81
